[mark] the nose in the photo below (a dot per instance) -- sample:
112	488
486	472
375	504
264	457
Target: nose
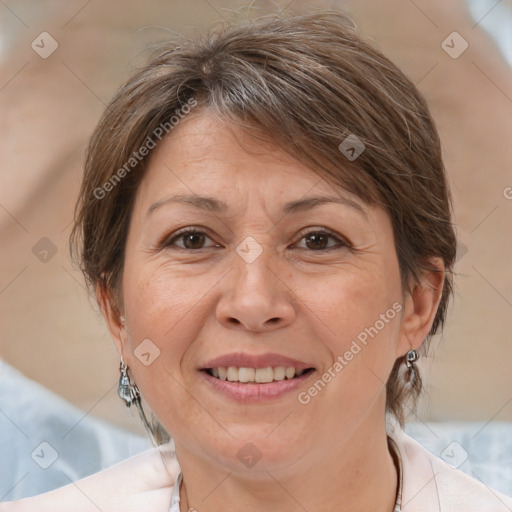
256	296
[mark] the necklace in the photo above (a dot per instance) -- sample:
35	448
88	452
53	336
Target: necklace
395	453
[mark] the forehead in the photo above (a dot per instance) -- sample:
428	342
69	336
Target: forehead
205	155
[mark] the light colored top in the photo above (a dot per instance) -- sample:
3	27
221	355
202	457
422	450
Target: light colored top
431	485
426	483
144	483
175	498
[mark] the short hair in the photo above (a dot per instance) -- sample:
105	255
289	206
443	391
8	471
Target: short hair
306	82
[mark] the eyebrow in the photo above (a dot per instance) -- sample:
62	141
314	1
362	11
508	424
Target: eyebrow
214	205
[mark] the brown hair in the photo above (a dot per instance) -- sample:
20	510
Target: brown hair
308	82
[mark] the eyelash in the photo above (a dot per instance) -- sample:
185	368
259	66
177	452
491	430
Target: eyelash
169	241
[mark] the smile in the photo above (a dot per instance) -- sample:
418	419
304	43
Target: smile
258	375
270	383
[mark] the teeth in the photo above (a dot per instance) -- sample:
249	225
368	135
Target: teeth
279	373
290	372
232	374
246	374
260	375
264	375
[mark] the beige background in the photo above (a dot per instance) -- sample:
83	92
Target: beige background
52	332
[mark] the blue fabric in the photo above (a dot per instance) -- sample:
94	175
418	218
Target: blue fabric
74	445
483	450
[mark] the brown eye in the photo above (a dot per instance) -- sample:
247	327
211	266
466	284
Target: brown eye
319	240
191	239
316	240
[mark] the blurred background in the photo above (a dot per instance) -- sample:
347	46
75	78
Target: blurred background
61	61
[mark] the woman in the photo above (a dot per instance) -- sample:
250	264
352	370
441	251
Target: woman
266	223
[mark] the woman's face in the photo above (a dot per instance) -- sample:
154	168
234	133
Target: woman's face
271	278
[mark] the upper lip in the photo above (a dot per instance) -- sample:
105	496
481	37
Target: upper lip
244	360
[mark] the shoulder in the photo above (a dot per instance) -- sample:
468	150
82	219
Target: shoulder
139	484
430	484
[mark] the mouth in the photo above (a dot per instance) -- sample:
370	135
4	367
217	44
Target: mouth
256	385
247	375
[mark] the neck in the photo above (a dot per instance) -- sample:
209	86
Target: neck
358	476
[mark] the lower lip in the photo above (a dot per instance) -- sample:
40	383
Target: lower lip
251	392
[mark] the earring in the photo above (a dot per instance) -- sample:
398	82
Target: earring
127	390
130	394
411	358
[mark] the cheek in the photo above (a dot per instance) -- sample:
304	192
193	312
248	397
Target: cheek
354	300
156	301
162	309
361	309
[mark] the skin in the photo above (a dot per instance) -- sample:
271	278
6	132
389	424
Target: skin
295	300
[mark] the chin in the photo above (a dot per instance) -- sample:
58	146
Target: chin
252	452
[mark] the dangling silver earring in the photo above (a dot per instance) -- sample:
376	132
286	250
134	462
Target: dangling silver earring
412	374
127	390
411	358
130	394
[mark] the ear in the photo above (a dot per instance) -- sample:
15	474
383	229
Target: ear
115	321
420	308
